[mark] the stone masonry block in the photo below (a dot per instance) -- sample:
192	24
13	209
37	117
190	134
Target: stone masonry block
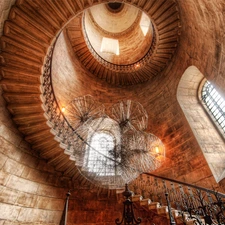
22	184
3	159
8	195
9	212
13	167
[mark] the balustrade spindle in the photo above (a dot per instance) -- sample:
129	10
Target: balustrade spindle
194	203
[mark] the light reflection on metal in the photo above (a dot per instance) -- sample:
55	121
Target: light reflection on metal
128	217
63	220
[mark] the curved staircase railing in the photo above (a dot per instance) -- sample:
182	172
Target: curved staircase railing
116	67
189	202
57	121
175	201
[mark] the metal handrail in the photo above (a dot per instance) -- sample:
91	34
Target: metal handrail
186	184
186	197
197	203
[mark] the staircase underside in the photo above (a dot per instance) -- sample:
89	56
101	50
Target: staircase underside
30	31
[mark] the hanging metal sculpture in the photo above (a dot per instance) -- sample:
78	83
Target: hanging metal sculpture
83	109
111	150
129	115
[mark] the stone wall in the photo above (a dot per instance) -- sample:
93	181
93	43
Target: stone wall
31	192
189	97
184	162
89	208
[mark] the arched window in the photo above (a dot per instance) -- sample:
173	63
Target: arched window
215	104
98	158
194	108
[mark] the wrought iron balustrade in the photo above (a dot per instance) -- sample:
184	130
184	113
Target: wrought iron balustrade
60	126
204	205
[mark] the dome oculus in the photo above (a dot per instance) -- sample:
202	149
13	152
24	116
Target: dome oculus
115	7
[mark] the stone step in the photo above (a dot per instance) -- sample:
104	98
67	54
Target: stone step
39	136
25	109
145	203
161	211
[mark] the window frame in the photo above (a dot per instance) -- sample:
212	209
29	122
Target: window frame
88	154
209	113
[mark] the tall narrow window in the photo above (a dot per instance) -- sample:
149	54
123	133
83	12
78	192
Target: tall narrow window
214	103
98	158
144	23
197	105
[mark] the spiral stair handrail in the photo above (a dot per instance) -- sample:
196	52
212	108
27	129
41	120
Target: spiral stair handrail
56	119
203	205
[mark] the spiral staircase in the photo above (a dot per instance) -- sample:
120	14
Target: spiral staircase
28	36
159	200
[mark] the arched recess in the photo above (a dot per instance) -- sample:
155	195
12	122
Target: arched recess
208	137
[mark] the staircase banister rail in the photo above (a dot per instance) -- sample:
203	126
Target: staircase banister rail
219	194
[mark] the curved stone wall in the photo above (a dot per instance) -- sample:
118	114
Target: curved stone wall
159	102
31	191
130	40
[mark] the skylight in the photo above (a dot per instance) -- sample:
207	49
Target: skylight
110	45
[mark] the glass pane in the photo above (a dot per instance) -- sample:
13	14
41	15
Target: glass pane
215	104
99	159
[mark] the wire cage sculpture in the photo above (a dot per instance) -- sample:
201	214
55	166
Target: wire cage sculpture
111	150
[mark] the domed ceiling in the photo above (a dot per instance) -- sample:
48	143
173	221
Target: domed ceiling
125	45
116	35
